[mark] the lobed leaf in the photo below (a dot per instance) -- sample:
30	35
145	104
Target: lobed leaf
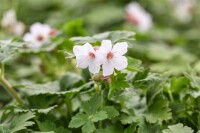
99	116
88	127
78	120
111	111
178	128
114	36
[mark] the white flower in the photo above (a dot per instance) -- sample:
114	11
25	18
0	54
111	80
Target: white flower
39	34
9	23
9	18
86	56
19	28
139	17
112	56
183	9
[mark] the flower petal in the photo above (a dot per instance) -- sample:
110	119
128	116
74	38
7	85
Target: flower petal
28	37
94	67
100	58
82	61
80	50
107	68
106	46
89	47
40	29
36	28
119	62
120	48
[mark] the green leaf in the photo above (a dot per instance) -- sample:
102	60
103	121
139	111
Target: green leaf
111	111
194	81
49	126
68	55
42	132
154	88
49	88
70	80
46	126
111	129
179	84
21	121
9	50
88	127
158	111
134	65
131	129
78	120
114	36
91	106
119	82
41	110
62	130
145	127
178	128
4	128
99	116
74	28
147	80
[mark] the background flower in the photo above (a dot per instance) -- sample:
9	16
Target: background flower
10	24
39	34
183	9
139	17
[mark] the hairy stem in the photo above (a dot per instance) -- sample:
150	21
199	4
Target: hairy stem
10	89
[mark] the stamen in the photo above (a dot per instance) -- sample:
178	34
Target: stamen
39	37
109	55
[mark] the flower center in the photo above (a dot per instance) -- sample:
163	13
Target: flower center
39	37
92	55
109	55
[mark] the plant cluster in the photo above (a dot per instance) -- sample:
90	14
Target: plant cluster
78	74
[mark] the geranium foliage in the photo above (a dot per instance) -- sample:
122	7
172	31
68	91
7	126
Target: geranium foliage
100	67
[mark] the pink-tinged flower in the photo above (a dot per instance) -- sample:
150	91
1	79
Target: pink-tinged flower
19	29
183	9
39	35
9	18
112	56
138	16
86	56
10	24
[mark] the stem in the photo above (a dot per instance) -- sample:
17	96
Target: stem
2	70
0	122
69	106
2	129
170	95
100	91
10	89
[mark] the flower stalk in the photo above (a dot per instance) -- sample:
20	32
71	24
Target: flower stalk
9	87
